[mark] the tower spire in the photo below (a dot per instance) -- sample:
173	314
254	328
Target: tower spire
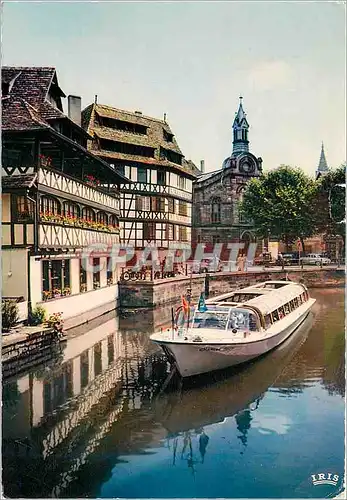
322	165
240	131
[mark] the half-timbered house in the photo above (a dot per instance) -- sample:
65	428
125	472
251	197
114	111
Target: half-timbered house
156	206
57	198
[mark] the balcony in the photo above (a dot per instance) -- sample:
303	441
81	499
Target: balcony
179	193
53	235
183	219
146	188
68	185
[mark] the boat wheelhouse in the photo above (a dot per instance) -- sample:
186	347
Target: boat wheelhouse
236	327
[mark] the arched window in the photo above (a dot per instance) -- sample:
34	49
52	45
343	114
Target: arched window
49	205
215	210
88	214
113	221
71	209
101	217
241	217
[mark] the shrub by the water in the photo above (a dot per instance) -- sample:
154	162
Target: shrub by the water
9	313
55	321
38	316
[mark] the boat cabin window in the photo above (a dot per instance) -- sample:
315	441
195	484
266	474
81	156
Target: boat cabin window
230	319
242	319
286	309
244	297
268	320
275	316
211	319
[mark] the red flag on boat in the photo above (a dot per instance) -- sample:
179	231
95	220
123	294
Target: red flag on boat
185	305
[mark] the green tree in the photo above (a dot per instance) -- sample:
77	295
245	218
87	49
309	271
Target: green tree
281	203
330	202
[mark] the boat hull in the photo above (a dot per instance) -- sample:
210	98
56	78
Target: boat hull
197	358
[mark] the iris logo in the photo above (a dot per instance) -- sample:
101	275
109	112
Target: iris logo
326	478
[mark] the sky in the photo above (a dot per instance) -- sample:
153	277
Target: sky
192	61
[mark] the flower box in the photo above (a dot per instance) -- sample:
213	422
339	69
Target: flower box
66	220
46	295
91	180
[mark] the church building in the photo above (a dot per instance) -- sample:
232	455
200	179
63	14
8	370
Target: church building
322	165
218	194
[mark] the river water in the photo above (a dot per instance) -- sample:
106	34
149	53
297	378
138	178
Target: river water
94	423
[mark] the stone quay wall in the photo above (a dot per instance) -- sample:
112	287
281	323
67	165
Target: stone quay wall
150	294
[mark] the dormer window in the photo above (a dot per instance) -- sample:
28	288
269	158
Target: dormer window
52	100
5	89
6	86
167	136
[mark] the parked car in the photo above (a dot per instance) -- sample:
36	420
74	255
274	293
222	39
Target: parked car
263	259
315	259
212	265
287	259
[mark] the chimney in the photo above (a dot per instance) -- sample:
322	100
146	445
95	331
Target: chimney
74	108
202	166
138	113
96	99
165	117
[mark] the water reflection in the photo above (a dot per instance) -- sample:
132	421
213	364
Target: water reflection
55	417
228	392
69	427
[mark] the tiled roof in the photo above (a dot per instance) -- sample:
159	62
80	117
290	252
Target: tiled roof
142	159
30	85
18	181
26	107
86	116
191	166
17	114
121	136
129	116
154	137
208	175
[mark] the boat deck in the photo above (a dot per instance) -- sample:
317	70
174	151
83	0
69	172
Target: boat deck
210	337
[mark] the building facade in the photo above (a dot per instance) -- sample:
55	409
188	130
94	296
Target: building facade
57	199
156	205
217	195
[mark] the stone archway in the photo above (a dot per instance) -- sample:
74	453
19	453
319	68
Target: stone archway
246	238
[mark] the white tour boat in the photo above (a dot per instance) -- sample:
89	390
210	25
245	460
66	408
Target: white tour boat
235	327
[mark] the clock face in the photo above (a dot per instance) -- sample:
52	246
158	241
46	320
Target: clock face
247	167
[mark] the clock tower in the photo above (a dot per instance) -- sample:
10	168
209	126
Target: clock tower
240	131
241	161
217	195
